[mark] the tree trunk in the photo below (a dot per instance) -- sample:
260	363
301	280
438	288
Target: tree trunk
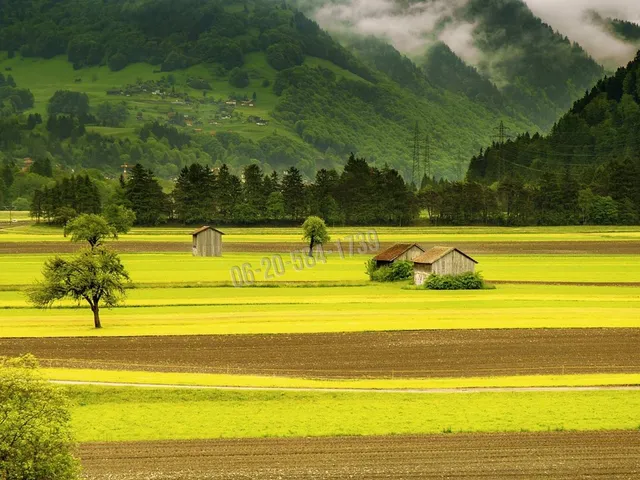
311	248
96	316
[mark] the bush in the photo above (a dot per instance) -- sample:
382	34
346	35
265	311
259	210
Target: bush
465	281
117	62
370	268
199	84
394	273
239	78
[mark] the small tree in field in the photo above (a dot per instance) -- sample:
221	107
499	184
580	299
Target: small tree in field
315	232
96	276
119	217
35	425
90	228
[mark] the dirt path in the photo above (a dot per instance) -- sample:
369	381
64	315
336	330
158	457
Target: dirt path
417	354
561	455
627	247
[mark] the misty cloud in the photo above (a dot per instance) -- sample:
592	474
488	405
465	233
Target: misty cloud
411	29
573	18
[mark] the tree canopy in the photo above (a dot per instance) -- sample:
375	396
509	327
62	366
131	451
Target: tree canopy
90	228
36	440
96	276
315	232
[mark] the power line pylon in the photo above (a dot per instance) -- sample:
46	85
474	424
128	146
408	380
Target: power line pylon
427	157
501	137
416	154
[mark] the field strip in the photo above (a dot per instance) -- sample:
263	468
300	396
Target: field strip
422	354
399	389
114	413
609	454
38	244
462	313
566	284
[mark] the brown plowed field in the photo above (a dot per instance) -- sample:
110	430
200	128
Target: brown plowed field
420	354
610	455
473	248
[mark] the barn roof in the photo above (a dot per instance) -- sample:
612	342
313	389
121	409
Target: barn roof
436	253
390	254
204	229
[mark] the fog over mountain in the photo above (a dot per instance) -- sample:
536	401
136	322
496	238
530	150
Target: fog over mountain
574	18
413	26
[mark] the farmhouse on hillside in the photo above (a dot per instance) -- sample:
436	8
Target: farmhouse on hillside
442	261
399	253
207	242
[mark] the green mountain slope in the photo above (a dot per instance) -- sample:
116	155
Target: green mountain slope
596	140
181	62
538	69
520	63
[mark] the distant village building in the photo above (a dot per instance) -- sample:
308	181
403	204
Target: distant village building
442	261
398	253
207	242
28	162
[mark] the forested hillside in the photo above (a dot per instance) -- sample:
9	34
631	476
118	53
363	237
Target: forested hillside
505	56
624	30
242	82
536	68
594	148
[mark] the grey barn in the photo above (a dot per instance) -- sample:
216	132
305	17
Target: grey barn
207	242
402	252
442	261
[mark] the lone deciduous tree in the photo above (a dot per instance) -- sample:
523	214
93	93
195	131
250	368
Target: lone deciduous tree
90	228
119	217
35	425
96	276
315	232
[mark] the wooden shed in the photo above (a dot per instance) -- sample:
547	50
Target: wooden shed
399	253
207	242
442	261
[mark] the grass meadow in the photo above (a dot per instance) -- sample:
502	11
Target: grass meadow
126	414
148	269
256	381
177	294
339	309
427	235
35	74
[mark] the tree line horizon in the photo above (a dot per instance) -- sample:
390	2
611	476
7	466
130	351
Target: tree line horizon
361	194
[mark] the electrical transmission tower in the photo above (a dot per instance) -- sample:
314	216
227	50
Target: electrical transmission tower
416	154
427	158
501	137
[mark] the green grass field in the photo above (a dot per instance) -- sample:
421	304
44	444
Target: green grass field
177	294
122	414
427	235
340	309
6	215
36	74
186	270
231	380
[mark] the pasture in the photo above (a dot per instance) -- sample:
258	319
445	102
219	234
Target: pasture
220	311
149	269
125	414
289	235
564	316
